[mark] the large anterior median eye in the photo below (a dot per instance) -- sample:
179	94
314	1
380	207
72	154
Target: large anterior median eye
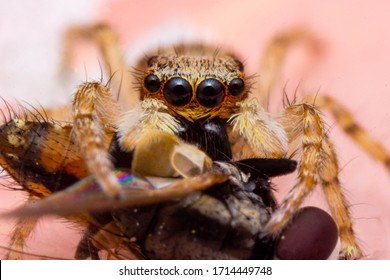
210	93
178	91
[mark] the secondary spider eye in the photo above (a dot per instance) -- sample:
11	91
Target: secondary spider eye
236	86
152	83
178	91
210	93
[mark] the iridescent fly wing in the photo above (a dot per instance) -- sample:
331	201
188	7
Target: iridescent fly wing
87	196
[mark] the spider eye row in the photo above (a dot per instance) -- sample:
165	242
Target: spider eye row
209	93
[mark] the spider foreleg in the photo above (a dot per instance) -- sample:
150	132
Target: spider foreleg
275	56
107	42
94	113
304	120
338	203
318	165
346	121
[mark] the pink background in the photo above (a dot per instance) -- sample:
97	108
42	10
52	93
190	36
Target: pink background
354	68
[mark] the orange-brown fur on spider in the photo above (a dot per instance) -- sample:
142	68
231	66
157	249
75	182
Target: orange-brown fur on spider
202	96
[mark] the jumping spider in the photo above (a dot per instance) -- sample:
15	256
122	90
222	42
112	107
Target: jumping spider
193	93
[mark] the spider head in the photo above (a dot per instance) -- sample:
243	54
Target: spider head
196	85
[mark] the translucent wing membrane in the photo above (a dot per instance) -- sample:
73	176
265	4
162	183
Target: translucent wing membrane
87	195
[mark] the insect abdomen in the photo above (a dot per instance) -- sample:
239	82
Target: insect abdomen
40	155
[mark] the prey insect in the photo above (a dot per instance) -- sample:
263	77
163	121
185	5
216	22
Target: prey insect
195	107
